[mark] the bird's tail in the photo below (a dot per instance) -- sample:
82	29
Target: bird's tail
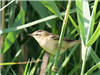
73	43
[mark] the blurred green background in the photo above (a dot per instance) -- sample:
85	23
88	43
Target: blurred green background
23	17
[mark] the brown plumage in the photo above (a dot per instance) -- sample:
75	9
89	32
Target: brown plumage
49	41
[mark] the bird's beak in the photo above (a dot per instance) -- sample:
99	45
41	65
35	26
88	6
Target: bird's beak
29	34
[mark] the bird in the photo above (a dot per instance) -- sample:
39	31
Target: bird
49	41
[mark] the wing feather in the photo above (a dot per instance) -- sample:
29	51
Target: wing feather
56	37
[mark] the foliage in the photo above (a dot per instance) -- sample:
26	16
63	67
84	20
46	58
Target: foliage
24	17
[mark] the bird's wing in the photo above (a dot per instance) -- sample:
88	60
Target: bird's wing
68	40
56	37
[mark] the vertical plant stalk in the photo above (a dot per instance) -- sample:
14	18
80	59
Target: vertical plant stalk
90	32
2	27
24	49
62	34
84	62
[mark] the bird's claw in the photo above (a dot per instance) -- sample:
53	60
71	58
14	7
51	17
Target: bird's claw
54	69
58	47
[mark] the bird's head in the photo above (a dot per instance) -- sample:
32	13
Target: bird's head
39	35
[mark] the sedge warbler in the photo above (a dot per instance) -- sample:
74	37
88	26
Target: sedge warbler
49	41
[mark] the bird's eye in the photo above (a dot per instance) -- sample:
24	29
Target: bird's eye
36	34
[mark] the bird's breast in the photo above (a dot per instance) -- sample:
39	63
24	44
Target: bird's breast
49	44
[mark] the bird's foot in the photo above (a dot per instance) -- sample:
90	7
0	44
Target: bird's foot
54	69
58	47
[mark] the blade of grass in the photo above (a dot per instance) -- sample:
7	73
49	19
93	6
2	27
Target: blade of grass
6	5
94	36
89	34
93	68
74	24
67	59
94	56
15	63
82	31
11	15
41	10
90	31
49	65
75	68
80	19
86	17
26	68
12	36
85	52
98	14
34	67
90	28
32	23
13	72
52	7
29	68
17	54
